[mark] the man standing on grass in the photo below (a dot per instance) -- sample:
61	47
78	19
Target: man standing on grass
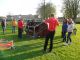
20	28
52	23
3	24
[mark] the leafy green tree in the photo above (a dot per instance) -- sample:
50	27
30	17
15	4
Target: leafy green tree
45	10
71	8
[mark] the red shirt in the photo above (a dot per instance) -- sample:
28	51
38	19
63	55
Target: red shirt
52	23
20	24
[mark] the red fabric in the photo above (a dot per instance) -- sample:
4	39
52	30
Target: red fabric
7	44
52	24
1	44
20	24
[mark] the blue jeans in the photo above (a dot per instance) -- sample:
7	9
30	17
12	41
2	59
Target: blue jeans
13	29
69	37
64	36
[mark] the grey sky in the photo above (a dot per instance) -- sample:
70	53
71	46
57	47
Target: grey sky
25	6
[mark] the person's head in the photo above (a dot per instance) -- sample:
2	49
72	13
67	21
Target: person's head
33	20
14	19
18	20
65	21
21	19
70	21
52	15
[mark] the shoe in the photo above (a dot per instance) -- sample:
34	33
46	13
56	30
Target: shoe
49	51
70	43
66	44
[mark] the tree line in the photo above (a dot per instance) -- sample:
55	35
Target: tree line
71	9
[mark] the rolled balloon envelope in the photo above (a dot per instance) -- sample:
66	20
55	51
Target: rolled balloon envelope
4	44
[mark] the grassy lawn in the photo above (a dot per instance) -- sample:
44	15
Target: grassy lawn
31	48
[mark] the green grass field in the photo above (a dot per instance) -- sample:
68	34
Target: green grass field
31	48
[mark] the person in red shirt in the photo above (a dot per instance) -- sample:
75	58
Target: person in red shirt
20	28
52	23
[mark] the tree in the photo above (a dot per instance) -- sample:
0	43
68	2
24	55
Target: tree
71	9
45	10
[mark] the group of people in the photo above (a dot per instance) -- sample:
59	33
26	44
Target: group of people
52	23
67	27
14	24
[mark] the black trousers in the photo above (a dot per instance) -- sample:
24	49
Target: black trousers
49	36
69	37
62	34
20	30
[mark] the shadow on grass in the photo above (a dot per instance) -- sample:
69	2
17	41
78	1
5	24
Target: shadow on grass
15	38
25	55
26	48
25	52
25	38
1	56
59	46
57	37
57	42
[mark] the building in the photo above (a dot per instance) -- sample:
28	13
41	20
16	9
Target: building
1	18
25	17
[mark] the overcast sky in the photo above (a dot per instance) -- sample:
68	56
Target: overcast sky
24	7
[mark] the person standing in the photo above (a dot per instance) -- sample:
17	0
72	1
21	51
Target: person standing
3	24
20	28
69	30
52	23
64	30
14	24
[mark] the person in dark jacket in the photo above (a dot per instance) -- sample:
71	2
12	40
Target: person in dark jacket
3	24
64	30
